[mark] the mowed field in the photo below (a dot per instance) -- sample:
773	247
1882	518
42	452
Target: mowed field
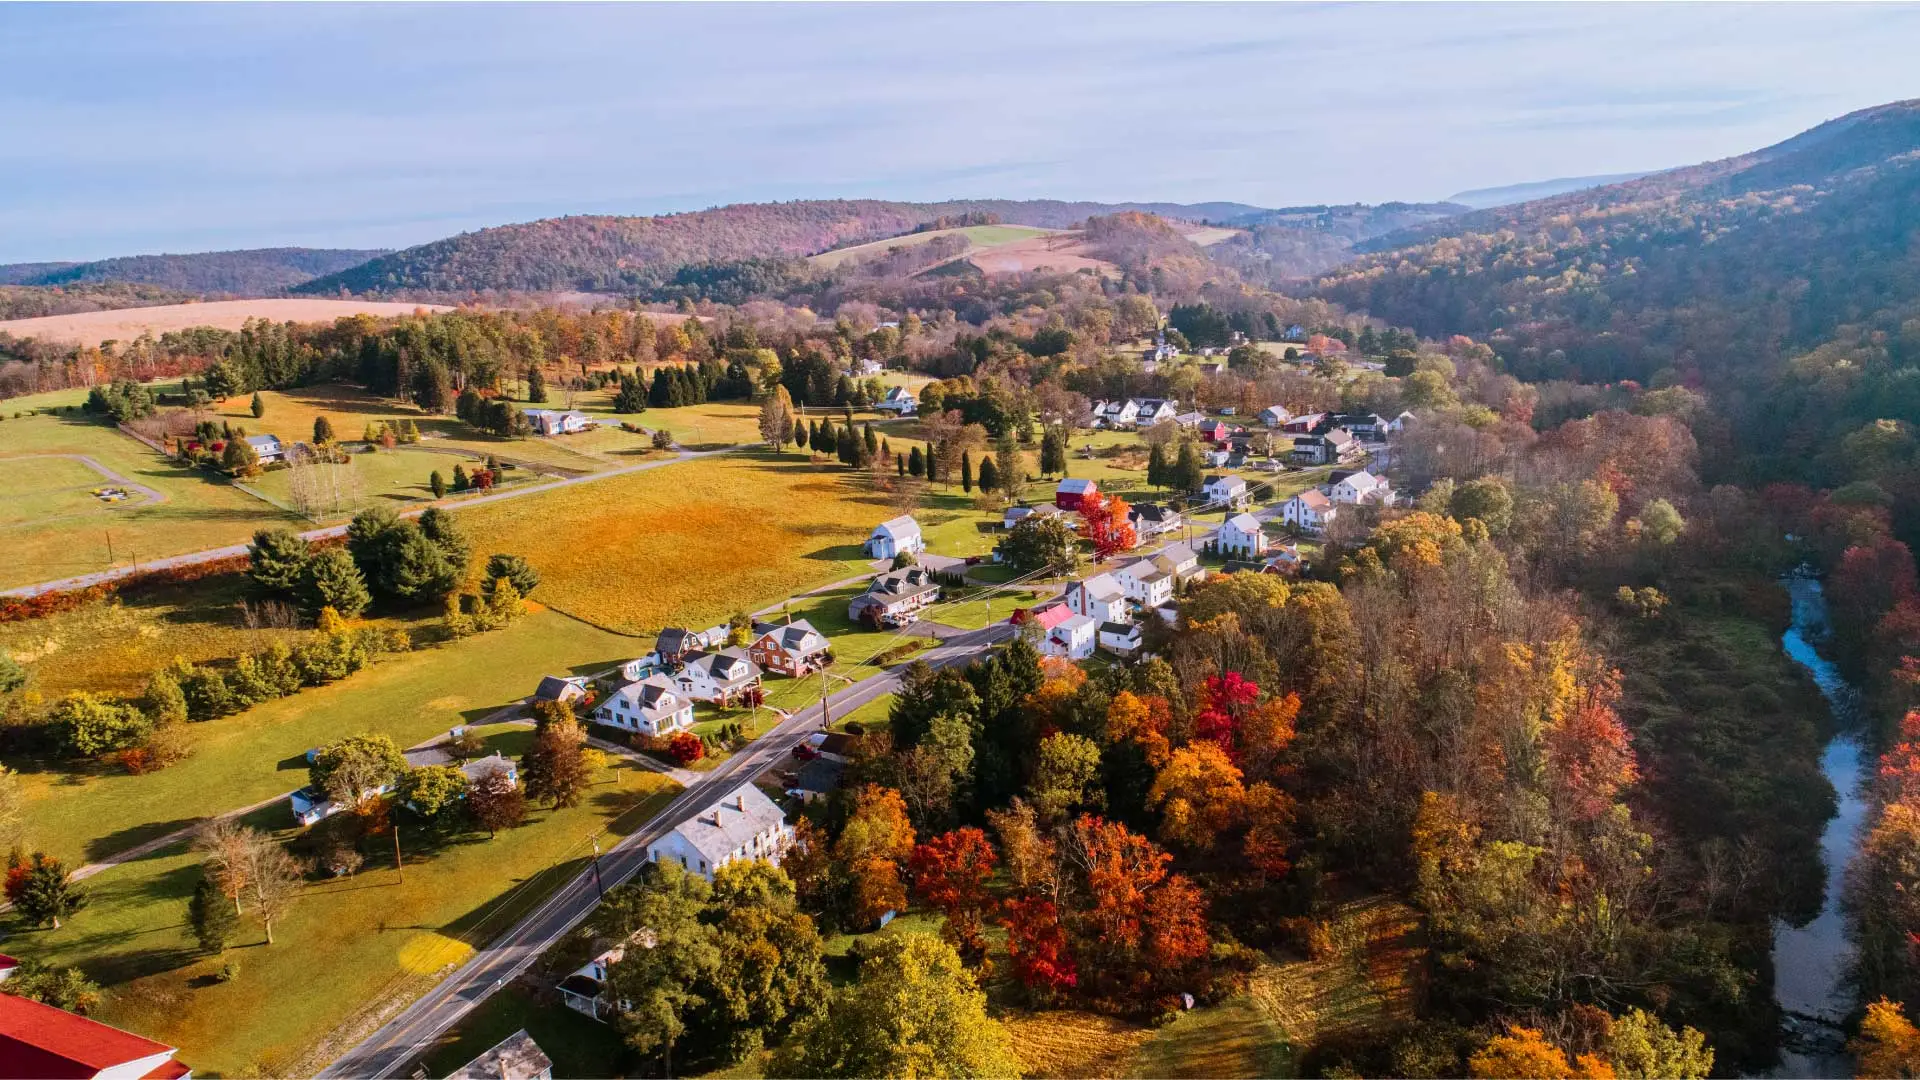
980	236
689	544
55	528
1061	252
125	324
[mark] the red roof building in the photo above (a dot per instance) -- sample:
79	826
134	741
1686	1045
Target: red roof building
40	1042
1046	616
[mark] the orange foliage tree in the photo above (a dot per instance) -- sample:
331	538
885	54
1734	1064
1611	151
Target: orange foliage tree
1104	523
950	872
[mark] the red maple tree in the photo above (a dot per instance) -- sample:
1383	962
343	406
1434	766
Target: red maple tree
1104	523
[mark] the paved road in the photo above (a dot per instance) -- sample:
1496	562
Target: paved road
194	558
393	1046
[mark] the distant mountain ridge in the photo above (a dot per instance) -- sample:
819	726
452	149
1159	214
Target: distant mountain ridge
1714	272
1489	198
604	253
253	272
1301	241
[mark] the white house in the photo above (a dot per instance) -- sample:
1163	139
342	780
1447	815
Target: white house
1119	413
1275	415
716	677
1120	638
899	401
1361	487
650	705
1400	423
1226	489
1241	536
557	421
1153	410
1100	597
267	448
1073	639
890	538
583	990
743	824
1146	583
1151	520
1310	512
1016	514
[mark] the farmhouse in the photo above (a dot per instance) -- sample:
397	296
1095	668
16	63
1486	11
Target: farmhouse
40	1040
743	824
1099	597
1360	487
1310	512
1275	415
584	989
1073	639
1180	561
557	421
1146	583
894	537
1122	639
892	598
716	677
1227	489
1154	410
267	448
516	1057
1151	519
794	648
899	401
1016	514
651	705
1241	536
673	644
1072	492
1117	414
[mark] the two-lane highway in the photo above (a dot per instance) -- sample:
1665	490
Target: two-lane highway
493	966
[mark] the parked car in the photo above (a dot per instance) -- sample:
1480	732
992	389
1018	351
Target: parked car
976	560
805	752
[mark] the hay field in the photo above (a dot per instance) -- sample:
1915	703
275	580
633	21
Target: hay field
1209	235
125	324
689	544
1061	252
981	236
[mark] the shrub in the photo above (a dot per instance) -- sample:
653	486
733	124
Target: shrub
686	748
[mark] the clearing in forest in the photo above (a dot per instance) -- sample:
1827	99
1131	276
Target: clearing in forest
125	324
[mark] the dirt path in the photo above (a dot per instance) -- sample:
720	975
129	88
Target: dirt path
102	577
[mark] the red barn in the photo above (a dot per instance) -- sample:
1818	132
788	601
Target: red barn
1072	492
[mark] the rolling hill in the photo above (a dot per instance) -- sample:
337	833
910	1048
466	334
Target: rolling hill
256	272
1715	272
1299	241
630	254
1508	194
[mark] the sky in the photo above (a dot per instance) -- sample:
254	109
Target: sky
154	127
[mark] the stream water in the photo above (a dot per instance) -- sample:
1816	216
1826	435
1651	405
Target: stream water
1810	962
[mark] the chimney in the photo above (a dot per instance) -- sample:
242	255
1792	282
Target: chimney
740	803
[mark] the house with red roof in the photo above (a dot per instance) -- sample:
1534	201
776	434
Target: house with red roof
40	1042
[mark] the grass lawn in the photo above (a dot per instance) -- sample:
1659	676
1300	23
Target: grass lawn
875	715
348	945
1233	1039
394	478
65	536
257	754
689	544
579	1047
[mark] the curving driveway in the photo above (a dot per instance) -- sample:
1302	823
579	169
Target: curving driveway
153	495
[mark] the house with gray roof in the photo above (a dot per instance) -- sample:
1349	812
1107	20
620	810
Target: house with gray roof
742	824
516	1057
717	677
895	536
794	648
651	705
893	598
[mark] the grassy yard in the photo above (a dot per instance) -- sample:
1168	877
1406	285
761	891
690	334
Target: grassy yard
396	478
349	944
257	754
689	544
981	237
51	536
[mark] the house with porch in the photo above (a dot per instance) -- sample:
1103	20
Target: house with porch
1073	639
1100	598
1241	537
894	598
1227	490
742	824
1181	561
1310	512
899	401
651	705
1146	583
719	678
1152	519
267	448
794	648
1359	488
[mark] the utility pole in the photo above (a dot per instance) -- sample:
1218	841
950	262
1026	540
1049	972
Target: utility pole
397	868
597	883
109	547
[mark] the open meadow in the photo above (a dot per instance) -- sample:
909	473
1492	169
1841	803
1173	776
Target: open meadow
88	814
68	532
349	947
980	236
691	543
125	324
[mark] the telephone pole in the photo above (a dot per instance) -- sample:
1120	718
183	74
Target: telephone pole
597	883
397	868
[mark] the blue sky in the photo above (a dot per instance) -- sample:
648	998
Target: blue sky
152	127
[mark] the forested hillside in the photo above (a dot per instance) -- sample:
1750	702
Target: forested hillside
33	301
240	273
1301	241
638	254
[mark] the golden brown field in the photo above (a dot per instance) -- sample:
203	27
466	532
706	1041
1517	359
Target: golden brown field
125	324
690	543
1061	252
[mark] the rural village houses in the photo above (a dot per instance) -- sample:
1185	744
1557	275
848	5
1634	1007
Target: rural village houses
743	824
892	599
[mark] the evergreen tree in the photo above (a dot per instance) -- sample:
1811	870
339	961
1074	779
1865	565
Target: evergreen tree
277	561
1187	473
536	384
872	444
916	464
1156	466
989	474
259	405
660	395
824	439
322	431
800	435
900	463
332	580
438	484
1053	452
41	890
211	917
966	471
460	481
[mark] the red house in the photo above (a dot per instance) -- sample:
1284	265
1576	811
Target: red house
1215	431
1046	616
1072	492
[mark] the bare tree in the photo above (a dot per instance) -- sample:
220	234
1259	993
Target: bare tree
275	882
225	848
